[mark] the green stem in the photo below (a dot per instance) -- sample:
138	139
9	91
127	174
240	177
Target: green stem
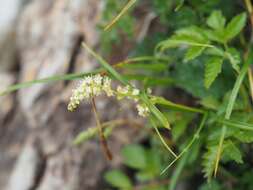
230	106
161	138
194	138
162	101
178	171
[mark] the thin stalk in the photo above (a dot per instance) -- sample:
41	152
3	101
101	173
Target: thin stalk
140	59
180	166
238	125
74	76
122	12
186	149
103	141
162	139
229	109
163	101
250	10
250	78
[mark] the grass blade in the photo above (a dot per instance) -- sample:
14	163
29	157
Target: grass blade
194	138
163	101
56	78
230	106
104	64
237	124
122	12
155	111
161	138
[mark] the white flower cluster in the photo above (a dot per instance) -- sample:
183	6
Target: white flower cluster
133	93
142	110
127	92
92	86
89	87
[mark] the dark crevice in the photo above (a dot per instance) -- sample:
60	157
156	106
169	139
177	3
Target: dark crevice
74	55
40	170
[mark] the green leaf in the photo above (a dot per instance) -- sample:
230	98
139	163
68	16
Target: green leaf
244	136
215	35
180	39
212	185
216	20
215	52
234	57
231	152
209	160
231	102
134	156
179	127
143	176
85	135
235	26
212	69
238	124
193	52
118	179
210	102
155	111
193	32
162	101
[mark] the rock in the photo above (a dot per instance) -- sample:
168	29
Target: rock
7	102
49	38
26	168
9	13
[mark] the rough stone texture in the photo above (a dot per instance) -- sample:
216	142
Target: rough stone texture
49	35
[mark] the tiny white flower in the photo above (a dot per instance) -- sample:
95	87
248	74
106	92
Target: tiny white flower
135	92
98	79
142	110
149	90
87	80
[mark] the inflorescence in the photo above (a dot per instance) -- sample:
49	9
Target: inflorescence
95	85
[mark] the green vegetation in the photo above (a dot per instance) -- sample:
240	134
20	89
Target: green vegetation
204	49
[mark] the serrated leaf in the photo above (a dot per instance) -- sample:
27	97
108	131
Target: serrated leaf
235	26
234	57
216	20
215	35
244	136
231	152
212	69
193	31
134	156
215	52
178	40
193	52
209	160
118	179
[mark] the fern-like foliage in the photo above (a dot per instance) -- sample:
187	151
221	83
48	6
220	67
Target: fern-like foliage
209	159
211	41
212	70
230	152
